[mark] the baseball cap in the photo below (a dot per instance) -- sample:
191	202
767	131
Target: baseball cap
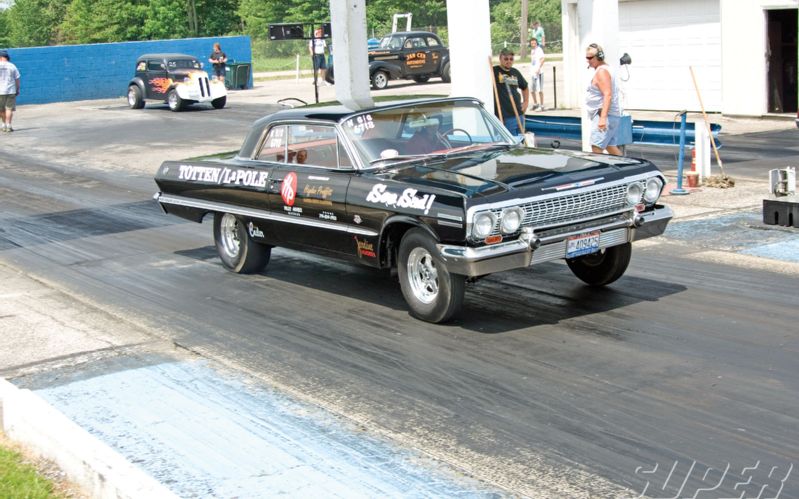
506	51
4	53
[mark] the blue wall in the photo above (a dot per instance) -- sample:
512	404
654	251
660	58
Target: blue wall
103	70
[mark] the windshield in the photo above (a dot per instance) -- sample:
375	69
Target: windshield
422	129
183	64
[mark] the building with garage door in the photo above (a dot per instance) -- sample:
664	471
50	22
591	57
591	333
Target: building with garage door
744	52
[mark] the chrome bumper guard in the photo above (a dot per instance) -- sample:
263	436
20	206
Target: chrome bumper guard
530	249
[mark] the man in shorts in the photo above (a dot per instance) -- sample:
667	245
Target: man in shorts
317	48
219	60
9	90
537	75
602	103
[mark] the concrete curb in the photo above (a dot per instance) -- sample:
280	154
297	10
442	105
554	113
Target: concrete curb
98	469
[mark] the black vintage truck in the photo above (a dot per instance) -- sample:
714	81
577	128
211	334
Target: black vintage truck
436	189
409	55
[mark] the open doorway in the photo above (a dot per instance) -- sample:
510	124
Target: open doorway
782	60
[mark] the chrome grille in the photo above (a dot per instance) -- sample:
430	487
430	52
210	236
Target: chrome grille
571	208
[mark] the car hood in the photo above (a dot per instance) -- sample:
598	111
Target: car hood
520	172
185	72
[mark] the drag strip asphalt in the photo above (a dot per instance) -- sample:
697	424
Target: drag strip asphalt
679	377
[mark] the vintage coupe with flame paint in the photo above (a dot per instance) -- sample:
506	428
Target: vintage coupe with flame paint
436	189
176	79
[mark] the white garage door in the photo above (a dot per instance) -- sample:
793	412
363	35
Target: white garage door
664	38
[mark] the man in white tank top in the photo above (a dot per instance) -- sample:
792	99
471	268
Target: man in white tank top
602	103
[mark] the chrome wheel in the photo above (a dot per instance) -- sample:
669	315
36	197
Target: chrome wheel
380	80
229	232
132	100
423	275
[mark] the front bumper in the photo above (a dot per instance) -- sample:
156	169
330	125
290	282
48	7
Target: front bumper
535	249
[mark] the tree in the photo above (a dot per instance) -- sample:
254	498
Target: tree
505	17
4	28
100	21
33	23
166	19
256	16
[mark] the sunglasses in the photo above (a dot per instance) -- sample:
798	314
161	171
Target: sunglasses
589	57
507	58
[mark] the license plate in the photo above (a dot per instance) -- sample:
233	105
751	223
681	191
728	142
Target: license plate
583	244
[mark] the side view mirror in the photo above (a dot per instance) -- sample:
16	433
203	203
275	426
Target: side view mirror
625	59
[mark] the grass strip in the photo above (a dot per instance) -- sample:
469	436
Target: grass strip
19	480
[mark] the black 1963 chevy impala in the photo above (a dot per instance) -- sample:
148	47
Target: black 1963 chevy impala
437	189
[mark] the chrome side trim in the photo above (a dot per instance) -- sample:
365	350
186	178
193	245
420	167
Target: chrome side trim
262	214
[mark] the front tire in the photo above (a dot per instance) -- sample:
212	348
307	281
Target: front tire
603	267
432	293
175	102
135	98
380	80
219	102
238	252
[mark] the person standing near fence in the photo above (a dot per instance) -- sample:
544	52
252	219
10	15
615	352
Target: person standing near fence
537	75
317	48
218	59
538	33
9	89
602	103
508	83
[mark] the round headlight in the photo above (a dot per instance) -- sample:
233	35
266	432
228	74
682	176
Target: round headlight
634	192
652	191
511	220
483	225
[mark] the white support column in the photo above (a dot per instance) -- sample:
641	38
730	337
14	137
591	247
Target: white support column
469	24
348	19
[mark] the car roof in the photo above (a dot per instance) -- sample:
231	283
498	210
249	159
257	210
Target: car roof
335	112
409	33
332	113
166	56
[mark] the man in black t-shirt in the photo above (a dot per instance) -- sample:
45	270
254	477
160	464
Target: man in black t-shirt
508	83
218	59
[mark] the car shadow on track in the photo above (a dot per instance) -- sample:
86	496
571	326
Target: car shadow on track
505	302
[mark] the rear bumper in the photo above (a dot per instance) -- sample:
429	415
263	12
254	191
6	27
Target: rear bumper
531	249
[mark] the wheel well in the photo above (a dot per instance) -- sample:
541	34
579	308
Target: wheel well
390	241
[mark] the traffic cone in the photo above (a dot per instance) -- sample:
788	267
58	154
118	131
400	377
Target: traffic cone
693	159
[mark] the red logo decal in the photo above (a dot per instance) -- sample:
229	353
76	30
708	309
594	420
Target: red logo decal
289	190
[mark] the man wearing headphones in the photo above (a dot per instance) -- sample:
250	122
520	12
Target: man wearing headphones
602	103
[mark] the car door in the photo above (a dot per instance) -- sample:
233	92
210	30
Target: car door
436	53
309	190
416	55
157	82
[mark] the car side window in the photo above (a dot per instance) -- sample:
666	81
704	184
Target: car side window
432	42
274	146
141	66
154	66
415	43
344	160
314	145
